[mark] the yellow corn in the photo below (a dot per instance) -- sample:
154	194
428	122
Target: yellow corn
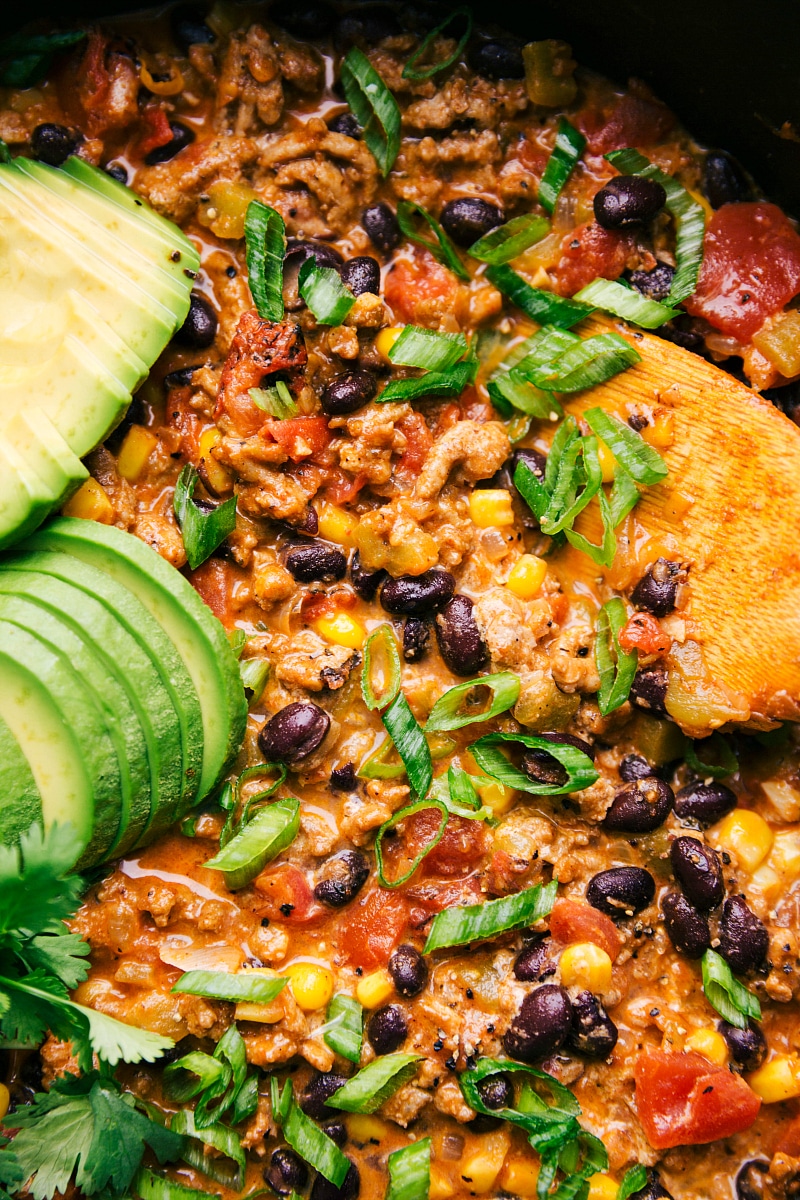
519	1176
527	576
364	1128
710	1044
747	835
137	447
5	1100
91	503
226	208
265	1014
386	339
497	797
218	477
441	1187
660	433
777	1080
489	507
602	1187
586	966
375	989
608	464
482	1164
311	984
342	630
335	524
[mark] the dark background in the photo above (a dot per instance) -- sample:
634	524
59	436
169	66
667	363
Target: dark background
730	69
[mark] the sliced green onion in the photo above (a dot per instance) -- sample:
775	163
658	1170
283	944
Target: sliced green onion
456	791
223	985
265	247
237	638
615	666
410	1172
446	714
462	788
256	772
728	762
613	297
434	383
411	744
634	1179
224	1140
202	530
211	1077
271	830
374	107
529	1103
381	638
511	239
543	307
476	922
594	361
569	147
442	249
149	1186
417	74
5	153
420	347
375	765
640	460
345	1019
314	1146
690	220
324	293
624	497
374	1084
511	392
244	1091
394	820
280	1101
26	58
581	771
511	381
735	1003
277	401
254	673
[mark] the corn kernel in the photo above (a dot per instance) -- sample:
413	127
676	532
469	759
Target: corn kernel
342	630
480	1166
777	1080
586	966
527	576
441	1187
602	1187
336	525
784	798
363	1128
139	444
386	339
265	1014
608	464
747	835
90	503
519	1176
218	478
660	433
497	797
710	1044
311	984
5	1100
489	507
375	989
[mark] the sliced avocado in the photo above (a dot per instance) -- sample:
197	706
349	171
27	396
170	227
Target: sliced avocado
25	500
124	655
22	804
44	704
36	439
196	633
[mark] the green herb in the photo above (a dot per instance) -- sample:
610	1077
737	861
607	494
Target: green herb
254	673
202	529
476	922
510	240
313	1146
735	1003
461	789
543	307
728	762
5	153
411	745
374	107
410	1172
420	347
324	293
433	383
237	639
149	1186
442	248
411	71
689	219
446	713
26	58
622	301
615	666
277	401
634	1179
265	247
456	791
641	461
381	638
220	1138
344	1033
372	1085
581	771
511	382
248	986
263	838
594	361
569	147
408	811
221	1077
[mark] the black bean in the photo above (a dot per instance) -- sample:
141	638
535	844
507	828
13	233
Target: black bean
460	642
743	938
621	891
496	1091
748	1047
657	590
181	378
532	457
387	1029
343	878
200	327
484	1124
655	284
530	961
687	928
321	1189
346	124
504	476
362	274
593	1032
380	226
408	970
749	1181
181	138
724	181
541	1025
118	172
294	732
298	252
343	779
649	690
681	332
347	392
542	767
316	562
499	58
365	582
652	1190
53	144
414	595
698	870
416	636
628	200
314	1099
704	802
640	807
337	1132
368	23
309	19
286	1172
633	766
469	218
188	26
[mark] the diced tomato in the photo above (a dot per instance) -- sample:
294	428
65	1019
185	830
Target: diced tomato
214	583
643	632
284	894
107	86
429	897
372	927
473	408
588	252
259	348
461	846
790	1139
531	156
341	488
155	129
180	415
300	437
418	289
751	268
318	604
685	1100
418	442
572	921
505	873
634	121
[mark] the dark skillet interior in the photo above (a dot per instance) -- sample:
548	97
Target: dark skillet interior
728	68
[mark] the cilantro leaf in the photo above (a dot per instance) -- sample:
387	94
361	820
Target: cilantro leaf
26	1019
62	954
49	1148
35	896
10	1171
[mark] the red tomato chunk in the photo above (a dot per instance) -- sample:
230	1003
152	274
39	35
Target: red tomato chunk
684	1100
372	927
